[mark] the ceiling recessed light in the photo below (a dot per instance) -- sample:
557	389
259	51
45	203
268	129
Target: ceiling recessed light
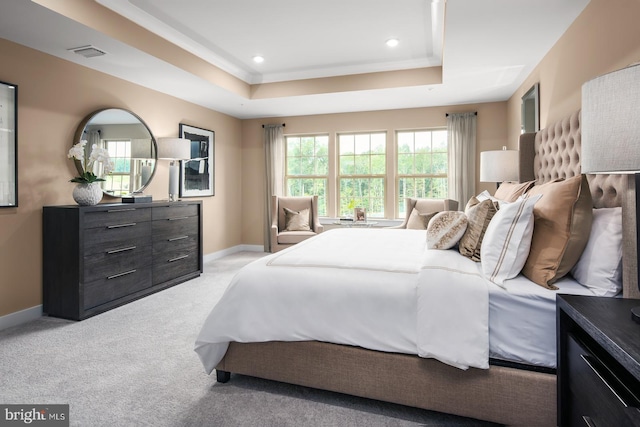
393	42
258	59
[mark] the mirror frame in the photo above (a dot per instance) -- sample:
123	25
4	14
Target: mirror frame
530	109
80	131
9	105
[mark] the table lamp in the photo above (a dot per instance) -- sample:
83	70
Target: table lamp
174	149
610	127
499	166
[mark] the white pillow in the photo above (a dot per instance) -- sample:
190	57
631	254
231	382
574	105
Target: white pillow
600	265
506	242
445	229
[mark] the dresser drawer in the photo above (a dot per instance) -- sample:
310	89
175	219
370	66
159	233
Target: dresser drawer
116	216
175	228
174	212
174	265
175	245
116	286
107	263
103	239
597	396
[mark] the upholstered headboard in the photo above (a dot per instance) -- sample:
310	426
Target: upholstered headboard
554	152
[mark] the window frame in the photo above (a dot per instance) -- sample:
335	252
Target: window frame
315	177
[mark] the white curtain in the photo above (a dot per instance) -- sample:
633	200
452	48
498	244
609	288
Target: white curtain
461	131
274	169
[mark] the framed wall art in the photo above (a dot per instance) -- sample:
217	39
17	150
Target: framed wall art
8	145
197	175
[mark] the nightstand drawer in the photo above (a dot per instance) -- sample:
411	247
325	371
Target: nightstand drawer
116	216
597	396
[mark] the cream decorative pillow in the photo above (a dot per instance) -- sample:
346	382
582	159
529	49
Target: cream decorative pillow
419	221
562	226
445	229
296	221
506	242
479	215
600	266
510	191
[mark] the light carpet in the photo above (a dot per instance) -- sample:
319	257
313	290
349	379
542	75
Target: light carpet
135	366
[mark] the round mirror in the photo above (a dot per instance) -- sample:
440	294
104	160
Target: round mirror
130	144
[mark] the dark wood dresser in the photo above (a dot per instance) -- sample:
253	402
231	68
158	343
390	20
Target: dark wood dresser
98	257
598	362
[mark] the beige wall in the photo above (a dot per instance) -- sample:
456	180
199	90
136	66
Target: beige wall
53	97
604	38
491	134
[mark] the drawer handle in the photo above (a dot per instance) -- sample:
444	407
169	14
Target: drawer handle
173	239
121	210
115	251
588	421
593	368
178	218
178	258
121	225
121	274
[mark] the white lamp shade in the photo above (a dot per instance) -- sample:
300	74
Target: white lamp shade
610	122
499	165
174	148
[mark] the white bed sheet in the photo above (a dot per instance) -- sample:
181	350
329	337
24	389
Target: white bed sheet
522	322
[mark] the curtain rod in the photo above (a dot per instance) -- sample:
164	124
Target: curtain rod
283	125
475	113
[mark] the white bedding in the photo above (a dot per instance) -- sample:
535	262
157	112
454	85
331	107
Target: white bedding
378	289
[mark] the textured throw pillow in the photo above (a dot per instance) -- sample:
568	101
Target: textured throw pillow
510	191
479	215
296	221
419	221
506	243
562	226
600	266
445	229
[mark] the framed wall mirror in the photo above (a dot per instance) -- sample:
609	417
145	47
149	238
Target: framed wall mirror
8	145
530	121
131	146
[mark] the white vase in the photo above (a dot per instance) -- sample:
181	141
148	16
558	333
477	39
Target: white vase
87	194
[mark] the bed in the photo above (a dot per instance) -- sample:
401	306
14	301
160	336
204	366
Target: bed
518	384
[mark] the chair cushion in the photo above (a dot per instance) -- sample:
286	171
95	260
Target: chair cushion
419	221
293	237
296	221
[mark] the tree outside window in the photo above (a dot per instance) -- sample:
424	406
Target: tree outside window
307	168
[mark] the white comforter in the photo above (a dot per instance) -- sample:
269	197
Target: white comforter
378	289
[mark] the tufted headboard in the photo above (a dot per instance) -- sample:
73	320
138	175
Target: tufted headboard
554	152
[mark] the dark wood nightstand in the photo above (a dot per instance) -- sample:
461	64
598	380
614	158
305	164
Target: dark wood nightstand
598	362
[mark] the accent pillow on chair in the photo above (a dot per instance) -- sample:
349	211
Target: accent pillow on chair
296	221
419	221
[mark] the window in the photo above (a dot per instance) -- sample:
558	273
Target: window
422	165
362	173
118	182
307	167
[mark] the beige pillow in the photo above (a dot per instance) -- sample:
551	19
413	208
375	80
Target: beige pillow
445	229
419	221
561	229
510	191
479	215
296	221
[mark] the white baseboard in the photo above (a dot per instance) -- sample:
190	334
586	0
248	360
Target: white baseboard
20	317
229	251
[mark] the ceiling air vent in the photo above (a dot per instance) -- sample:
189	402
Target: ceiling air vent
88	51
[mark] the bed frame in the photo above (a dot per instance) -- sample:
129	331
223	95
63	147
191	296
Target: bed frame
511	395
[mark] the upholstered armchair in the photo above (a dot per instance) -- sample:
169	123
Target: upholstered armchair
424	206
301	227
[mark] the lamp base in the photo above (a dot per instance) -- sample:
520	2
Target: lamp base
174	172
